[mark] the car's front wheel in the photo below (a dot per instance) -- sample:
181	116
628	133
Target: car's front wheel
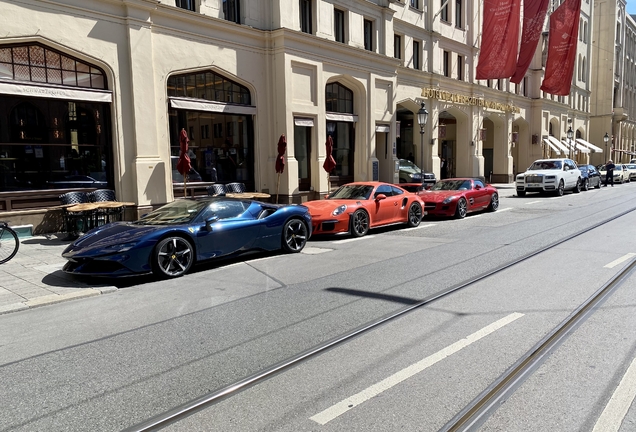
577	188
415	214
521	193
172	257
295	234
494	202
560	189
359	223
461	209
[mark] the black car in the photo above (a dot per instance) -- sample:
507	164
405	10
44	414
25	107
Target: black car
590	177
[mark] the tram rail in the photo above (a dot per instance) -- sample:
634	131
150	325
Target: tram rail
481	407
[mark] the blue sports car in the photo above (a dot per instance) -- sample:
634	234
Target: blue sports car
168	240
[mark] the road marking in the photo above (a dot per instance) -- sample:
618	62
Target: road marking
617	407
534	202
620	260
314	250
418	227
354	239
342	407
506	209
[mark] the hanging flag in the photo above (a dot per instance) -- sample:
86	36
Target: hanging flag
564	32
534	12
499	39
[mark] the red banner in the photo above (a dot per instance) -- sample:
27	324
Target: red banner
564	31
499	40
533	18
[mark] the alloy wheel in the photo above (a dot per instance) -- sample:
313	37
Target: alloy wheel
462	209
294	236
415	214
173	257
359	223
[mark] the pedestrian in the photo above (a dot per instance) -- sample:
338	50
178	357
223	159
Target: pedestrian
443	168
410	157
609	172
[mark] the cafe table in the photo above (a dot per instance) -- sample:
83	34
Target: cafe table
249	195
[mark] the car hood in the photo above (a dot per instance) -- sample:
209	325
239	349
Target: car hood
438	196
327	206
542	172
115	233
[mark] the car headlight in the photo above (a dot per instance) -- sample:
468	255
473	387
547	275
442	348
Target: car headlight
520	177
550	177
123	247
340	210
449	199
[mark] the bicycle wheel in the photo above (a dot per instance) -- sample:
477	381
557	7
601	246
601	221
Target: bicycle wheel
9	244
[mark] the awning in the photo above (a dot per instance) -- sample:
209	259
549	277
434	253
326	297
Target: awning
55	92
589	145
577	146
302	121
382	128
341	117
564	149
552	146
210	106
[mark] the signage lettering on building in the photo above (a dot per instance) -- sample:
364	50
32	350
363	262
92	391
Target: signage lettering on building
430	93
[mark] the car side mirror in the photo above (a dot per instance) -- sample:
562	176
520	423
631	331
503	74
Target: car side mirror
326	196
380	197
209	222
477	187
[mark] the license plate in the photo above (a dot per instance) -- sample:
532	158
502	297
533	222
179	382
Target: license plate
534	184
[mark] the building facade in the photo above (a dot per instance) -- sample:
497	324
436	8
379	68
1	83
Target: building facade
98	91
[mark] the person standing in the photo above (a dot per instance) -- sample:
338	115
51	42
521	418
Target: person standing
609	172
443	168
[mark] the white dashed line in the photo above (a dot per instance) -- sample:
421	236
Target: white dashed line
620	260
534	202
342	407
419	227
353	239
612	416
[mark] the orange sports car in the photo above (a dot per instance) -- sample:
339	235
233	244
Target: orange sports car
356	207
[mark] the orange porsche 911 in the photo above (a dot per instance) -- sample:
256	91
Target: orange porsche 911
356	207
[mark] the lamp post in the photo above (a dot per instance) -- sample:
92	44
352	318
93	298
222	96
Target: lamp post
570	135
422	118
606	140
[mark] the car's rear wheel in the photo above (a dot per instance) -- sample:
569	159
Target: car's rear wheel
359	223
600	183
577	188
494	202
586	185
415	214
172	257
461	209
560	189
295	235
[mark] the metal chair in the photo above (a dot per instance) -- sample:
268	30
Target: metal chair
217	189
75	222
235	187
105	215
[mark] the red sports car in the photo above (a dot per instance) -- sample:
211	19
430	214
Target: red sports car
356	207
458	197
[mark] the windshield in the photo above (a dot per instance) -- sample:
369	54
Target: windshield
407	165
177	212
546	165
631	166
451	185
352	192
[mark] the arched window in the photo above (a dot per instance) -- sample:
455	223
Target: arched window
210	86
41	64
339	98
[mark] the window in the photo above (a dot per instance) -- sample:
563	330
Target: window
416	55
444	10
338	98
414	4
185	4
368	35
231	10
460	67
458	14
446	65
209	86
397	46
305	16
339	25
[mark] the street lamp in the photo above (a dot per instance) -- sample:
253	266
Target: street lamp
422	118
606	140
570	135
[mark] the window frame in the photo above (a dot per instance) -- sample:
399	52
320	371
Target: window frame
367	34
417	50
186	4
306	16
339	25
460	67
443	12
233	6
397	46
446	63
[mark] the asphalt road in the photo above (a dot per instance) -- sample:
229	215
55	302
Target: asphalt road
108	362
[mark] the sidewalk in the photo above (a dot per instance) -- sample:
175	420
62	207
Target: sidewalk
34	276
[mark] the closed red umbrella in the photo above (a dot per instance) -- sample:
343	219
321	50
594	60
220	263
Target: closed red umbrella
183	165
280	160
330	162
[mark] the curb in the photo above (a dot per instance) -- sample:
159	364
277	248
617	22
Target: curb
55	298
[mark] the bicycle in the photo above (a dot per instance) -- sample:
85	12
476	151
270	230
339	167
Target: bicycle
9	243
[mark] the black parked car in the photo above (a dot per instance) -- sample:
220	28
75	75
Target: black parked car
590	177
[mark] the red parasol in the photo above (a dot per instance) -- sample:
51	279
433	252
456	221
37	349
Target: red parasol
280	160
183	165
330	162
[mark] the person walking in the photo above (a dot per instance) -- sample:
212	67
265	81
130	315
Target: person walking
609	172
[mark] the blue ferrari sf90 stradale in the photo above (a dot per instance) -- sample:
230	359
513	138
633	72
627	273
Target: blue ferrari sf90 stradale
170	239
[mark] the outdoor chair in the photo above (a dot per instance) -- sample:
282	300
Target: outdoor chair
75	222
235	187
217	189
105	215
